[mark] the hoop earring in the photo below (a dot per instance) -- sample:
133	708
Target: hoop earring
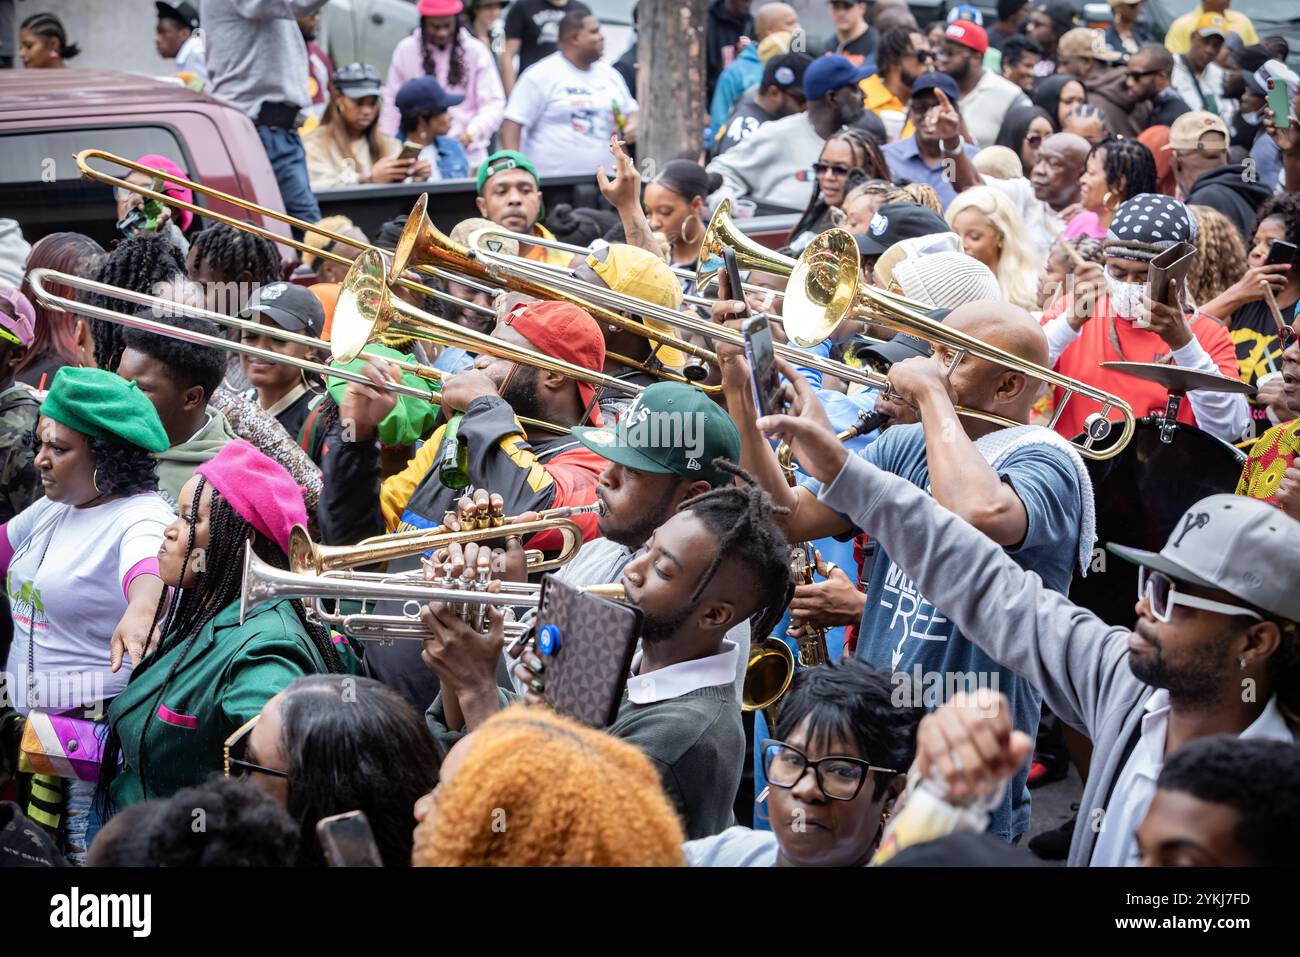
1105	200
699	225
307	384
94	478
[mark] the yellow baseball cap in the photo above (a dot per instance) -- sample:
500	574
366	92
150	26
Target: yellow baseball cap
1212	24
633	271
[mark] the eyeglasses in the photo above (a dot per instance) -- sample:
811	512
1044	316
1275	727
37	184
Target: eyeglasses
1139	74
840	778
835	169
1161	593
236	747
1034	139
923	56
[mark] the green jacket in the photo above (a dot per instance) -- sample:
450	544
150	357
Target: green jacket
230	672
20	482
176	466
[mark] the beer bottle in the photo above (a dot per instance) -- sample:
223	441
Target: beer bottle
453	460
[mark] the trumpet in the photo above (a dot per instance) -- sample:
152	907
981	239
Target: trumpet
84	157
308	557
39	277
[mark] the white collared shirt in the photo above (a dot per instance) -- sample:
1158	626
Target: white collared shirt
1136	786
683	677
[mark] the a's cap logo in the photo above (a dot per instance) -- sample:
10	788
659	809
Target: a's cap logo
1199	520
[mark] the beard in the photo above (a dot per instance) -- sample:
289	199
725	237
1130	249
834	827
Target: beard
1193	685
658	628
647	518
520	393
960	74
907	76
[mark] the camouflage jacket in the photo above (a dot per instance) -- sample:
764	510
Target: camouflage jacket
20	483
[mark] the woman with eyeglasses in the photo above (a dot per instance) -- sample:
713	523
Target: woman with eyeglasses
849	156
205	672
1023	131
1116	171
328	744
835	765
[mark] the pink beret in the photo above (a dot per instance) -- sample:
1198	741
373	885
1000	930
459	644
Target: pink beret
258	489
183	217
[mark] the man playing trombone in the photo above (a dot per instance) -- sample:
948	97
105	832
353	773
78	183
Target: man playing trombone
1024	487
531	471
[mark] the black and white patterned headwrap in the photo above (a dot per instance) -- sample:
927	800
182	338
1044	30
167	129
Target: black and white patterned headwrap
1148	224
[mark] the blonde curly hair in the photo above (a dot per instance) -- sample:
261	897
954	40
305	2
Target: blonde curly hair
1220	255
536	789
922	194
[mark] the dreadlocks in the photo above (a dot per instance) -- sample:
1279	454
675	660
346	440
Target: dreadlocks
741	517
455	61
180	621
139	263
1129	166
234	252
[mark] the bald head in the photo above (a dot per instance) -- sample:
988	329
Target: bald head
773	18
990	386
1055	176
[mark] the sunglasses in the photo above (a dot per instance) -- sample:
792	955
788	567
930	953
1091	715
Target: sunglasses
923	56
236	748
1162	594
1139	74
1034	139
837	170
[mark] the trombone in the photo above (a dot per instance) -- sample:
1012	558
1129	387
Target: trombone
311	558
166	307
84	157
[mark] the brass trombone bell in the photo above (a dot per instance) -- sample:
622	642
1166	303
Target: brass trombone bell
722	232
768	674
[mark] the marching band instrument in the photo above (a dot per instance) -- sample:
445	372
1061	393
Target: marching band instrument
84	157
166	307
768	674
826	288
1178	379
308	557
721	232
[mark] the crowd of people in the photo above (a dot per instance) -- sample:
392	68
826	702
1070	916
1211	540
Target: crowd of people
919	522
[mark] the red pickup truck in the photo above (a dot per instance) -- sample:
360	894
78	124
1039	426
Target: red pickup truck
47	116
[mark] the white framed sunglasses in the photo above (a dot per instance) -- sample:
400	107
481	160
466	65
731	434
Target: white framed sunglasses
1162	594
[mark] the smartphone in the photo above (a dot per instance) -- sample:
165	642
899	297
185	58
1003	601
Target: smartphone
586	643
348	841
762	366
1281	253
409	152
1279	102
735	288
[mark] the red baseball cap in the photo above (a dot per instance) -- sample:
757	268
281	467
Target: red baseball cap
563	331
968	34
439	8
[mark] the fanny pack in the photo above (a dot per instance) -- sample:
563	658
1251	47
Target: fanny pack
61	746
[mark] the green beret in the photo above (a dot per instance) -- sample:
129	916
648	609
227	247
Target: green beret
104	405
411	418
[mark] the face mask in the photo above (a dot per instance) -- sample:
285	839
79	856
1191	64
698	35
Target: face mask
1126	297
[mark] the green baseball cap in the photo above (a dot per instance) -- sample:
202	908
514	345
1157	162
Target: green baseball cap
503	160
671	429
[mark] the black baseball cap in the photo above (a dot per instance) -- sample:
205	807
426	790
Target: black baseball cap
895	222
786	72
292	307
902	346
182	13
357	80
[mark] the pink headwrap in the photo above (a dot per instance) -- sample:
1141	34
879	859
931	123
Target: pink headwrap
183	217
258	489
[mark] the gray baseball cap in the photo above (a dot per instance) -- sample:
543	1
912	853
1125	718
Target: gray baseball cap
1243	546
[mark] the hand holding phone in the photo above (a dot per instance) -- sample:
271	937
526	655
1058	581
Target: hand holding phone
763	374
348	841
1279	102
1281	253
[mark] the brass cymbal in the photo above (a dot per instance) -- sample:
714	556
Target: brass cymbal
1179	380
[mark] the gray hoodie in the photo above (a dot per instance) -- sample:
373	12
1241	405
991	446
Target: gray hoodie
255	51
772	164
1078	662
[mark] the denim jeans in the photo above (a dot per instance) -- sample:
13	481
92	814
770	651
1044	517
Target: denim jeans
289	160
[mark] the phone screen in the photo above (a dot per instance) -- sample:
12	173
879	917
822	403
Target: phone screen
1279	103
1280	253
409	152
348	841
762	366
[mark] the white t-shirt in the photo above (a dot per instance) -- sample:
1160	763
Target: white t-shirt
71	599
567	114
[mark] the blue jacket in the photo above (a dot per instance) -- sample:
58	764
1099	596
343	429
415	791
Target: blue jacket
453	161
744	72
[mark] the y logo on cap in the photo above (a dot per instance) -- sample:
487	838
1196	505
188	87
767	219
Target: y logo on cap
879	224
1199	520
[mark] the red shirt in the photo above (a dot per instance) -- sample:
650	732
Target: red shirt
1082	360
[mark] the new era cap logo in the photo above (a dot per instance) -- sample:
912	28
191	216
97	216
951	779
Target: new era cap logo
694	465
1199	520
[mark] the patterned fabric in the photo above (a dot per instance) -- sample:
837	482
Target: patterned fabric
262	430
1148	224
1269	459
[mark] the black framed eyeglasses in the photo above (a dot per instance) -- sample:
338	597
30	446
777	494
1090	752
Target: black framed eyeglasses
1140	74
237	764
836	169
840	777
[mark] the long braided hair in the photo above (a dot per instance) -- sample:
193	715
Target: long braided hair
741	517
455	61
868	163
1129	161
180	620
139	263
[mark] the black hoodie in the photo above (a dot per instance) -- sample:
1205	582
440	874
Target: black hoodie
724	30
1233	192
